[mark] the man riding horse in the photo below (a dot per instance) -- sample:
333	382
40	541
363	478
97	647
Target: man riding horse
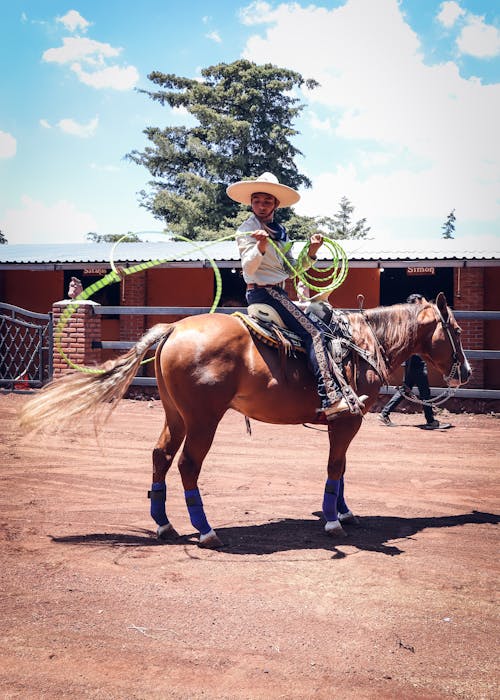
265	273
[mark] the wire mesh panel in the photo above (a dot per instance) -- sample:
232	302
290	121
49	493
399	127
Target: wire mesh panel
25	348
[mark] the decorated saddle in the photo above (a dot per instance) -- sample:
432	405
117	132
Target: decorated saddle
266	325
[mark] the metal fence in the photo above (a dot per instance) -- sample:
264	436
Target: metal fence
25	348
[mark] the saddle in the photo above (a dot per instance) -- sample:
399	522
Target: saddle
264	322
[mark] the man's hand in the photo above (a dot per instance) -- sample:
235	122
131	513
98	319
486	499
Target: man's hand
315	244
261	237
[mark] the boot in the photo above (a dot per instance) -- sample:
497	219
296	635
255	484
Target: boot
340	406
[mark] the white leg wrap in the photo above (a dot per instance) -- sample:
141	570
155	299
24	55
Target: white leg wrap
346	517
163	530
208	536
333	527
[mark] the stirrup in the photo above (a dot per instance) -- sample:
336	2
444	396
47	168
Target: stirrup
342	405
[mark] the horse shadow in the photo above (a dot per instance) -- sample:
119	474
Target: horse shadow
382	534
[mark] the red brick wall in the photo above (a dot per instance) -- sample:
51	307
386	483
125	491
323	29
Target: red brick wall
492	328
469	296
133	293
75	340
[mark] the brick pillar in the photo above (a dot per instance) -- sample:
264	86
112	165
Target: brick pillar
469	296
133	288
81	328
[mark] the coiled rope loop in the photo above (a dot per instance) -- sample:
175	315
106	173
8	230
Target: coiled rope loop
331	278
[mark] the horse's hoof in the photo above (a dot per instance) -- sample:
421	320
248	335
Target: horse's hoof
209	541
334	529
166	532
348	518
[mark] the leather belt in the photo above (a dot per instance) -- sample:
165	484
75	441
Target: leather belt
251	286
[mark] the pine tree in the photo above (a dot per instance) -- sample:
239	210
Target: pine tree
244	116
340	226
129	237
448	227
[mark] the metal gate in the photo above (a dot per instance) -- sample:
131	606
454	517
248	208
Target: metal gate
25	348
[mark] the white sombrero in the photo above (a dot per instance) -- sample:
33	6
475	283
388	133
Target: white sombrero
267	182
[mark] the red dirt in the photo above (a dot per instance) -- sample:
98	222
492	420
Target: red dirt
93	606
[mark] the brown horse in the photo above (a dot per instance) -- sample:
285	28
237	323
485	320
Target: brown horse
206	364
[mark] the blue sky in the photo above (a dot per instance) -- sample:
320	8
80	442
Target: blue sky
405	123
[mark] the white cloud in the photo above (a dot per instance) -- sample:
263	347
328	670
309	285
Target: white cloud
113	77
479	39
318	124
36	222
214	36
84	131
94	55
440	131
81	49
8	145
45	124
73	20
256	13
449	13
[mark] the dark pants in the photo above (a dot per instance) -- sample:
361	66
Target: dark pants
309	333
415	375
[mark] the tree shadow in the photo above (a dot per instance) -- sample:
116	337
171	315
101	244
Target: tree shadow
370	534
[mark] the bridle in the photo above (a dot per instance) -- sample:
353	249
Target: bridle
454	370
455	366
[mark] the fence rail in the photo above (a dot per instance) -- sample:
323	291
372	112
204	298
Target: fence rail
196	310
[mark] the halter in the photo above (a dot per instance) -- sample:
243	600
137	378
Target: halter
454	371
455	367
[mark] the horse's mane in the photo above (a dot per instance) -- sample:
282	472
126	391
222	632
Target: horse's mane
394	327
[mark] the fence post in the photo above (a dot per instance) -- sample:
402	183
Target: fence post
81	328
133	294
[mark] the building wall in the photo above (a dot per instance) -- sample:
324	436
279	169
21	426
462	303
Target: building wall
173	286
34	290
491	328
469	295
475	289
365	281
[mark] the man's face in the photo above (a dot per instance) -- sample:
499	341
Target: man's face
263	205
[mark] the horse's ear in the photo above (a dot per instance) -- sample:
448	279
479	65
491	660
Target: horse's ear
442	305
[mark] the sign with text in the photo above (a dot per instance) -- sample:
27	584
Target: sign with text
411	271
95	271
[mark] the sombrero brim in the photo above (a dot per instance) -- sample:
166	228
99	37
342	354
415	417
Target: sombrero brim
242	192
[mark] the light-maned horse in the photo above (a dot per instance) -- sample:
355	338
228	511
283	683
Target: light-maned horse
209	363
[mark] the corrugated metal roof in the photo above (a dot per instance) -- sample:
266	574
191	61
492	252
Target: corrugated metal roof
226	251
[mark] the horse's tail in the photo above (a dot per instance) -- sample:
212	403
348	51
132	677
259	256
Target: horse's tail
81	393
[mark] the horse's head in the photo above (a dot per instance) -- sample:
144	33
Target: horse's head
442	344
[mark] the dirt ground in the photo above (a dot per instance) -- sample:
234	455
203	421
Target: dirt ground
405	607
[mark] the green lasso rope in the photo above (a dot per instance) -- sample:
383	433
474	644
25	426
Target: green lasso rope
338	272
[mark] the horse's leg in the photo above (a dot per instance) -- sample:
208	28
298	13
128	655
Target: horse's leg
344	512
335	509
164	452
199	437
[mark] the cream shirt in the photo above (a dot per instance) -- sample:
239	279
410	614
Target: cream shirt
268	268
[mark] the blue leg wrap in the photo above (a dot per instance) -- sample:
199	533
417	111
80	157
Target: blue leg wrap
196	512
332	488
342	506
158	496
